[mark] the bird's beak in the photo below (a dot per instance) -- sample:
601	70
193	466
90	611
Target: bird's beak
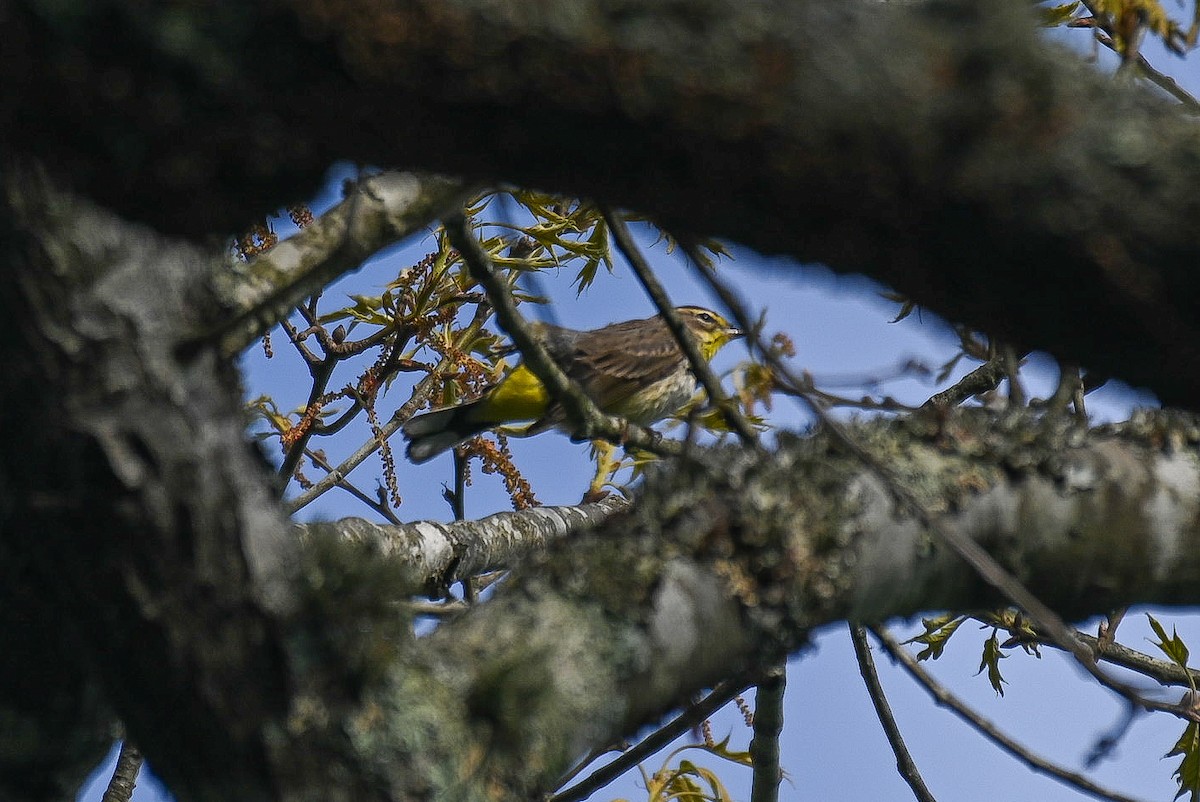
733	331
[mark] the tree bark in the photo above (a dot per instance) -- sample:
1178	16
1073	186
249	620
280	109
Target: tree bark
941	148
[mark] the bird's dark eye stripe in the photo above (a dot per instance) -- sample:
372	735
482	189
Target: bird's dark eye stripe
705	317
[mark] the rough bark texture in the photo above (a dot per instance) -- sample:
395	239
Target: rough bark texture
438	554
131	500
730	561
941	148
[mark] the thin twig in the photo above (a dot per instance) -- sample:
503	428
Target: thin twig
1159	79
380	507
321	375
1107	634
687	342
688	720
420	395
124	778
904	761
804	385
589	421
1163	672
1012	371
458	503
984	378
297	340
768	724
989	730
437	609
356	406
905	368
1070	386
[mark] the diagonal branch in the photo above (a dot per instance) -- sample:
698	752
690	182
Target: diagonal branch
380	210
1163	672
969	551
124	778
693	717
904	761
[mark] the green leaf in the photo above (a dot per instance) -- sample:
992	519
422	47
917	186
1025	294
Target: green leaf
1172	647
937	633
904	312
1187	773
722	750
992	655
690	790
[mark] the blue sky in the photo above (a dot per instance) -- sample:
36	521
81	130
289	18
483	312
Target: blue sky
833	747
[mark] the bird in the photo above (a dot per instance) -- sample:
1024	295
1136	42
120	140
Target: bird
634	369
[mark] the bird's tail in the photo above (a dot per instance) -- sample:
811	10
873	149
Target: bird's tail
434	432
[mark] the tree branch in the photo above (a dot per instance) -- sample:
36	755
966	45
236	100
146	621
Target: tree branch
690	719
904	761
988	730
768	724
124	778
794	127
378	211
447	553
420	394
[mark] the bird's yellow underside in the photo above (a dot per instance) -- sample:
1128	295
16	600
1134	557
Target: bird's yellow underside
520	396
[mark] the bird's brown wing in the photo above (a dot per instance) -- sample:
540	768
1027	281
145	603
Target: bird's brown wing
612	363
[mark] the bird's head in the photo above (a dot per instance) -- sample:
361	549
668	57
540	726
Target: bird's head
710	329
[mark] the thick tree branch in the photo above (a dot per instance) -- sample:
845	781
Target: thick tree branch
131	498
944	148
733	545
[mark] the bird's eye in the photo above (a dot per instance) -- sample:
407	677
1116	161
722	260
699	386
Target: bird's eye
706	318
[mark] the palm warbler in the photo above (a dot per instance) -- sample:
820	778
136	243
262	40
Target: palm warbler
633	369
